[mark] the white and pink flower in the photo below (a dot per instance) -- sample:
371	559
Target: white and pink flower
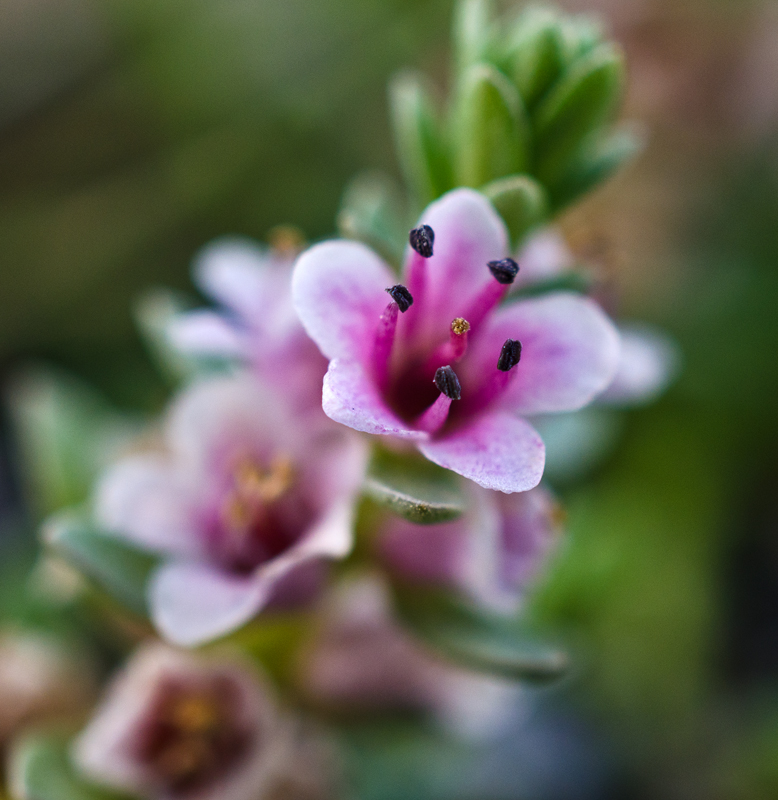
246	494
177	725
493	553
438	364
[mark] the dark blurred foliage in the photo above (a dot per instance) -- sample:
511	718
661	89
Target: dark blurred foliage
131	133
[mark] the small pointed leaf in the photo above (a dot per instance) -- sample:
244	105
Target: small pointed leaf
520	201
477	639
492	130
581	102
580	35
418	140
472	33
414	488
116	567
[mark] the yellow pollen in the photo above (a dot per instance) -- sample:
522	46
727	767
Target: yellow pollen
254	488
460	326
194	714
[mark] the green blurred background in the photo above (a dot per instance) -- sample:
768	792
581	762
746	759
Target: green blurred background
133	132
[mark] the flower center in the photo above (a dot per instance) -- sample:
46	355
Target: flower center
192	736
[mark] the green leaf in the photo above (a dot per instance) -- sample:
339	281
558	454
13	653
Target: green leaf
477	639
40	769
116	567
472	33
371	212
595	165
414	488
492	131
535	53
66	433
580	103
520	201
418	139
580	35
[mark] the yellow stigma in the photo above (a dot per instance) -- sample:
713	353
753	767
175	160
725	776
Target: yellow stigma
194	714
460	326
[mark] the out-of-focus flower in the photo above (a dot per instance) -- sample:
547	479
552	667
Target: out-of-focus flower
257	323
361	661
439	364
176	725
39	680
491	553
247	493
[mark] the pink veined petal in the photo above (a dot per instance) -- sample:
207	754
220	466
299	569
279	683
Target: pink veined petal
206	333
192	603
143	500
338	289
468	234
351	397
570	353
498	451
545	255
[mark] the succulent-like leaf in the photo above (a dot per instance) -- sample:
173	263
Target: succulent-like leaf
595	165
492	130
116	567
418	140
520	201
371	212
580	35
535	53
478	639
472	33
581	102
40	769
414	488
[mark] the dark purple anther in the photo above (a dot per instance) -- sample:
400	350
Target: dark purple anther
447	382
509	355
422	239
504	271
401	296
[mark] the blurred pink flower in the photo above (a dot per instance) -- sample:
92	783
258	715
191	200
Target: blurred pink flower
400	368
176	725
246	493
257	323
492	553
361	660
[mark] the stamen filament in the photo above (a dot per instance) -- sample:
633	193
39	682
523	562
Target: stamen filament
434	418
384	340
455	348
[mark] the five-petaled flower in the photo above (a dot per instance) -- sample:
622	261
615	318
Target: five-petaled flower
177	725
246	494
452	370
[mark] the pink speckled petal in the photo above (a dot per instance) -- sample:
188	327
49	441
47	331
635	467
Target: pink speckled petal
498	451
570	352
352	398
338	289
206	333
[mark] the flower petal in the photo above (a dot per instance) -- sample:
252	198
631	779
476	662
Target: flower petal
143	499
338	289
570	352
498	451
468	234
649	362
194	603
352	398
206	333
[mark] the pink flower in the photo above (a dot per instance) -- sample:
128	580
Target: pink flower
257	323
437	362
362	660
176	725
492	553
246	493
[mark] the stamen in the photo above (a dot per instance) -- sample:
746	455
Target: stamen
384	341
460	326
401	296
422	239
504	271
434	418
447	382
509	355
